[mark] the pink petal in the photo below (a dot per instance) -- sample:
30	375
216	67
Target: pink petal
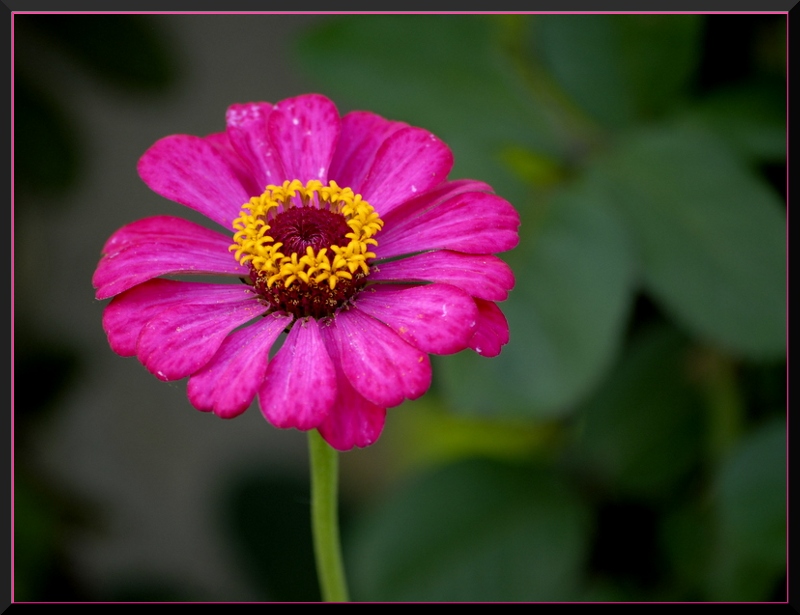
432	198
492	331
380	366
228	383
427	201
163	227
410	162
362	135
182	339
247	129
221	142
437	318
158	246
300	386
481	275
304	131
473	222
191	171
127	313
353	421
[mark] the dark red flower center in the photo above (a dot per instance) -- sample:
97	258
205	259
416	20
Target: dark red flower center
302	227
302	299
297	229
308	246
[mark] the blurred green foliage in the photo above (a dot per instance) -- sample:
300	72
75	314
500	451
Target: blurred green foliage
646	369
474	531
627	435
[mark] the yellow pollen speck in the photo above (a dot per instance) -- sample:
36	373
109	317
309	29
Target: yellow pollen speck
253	245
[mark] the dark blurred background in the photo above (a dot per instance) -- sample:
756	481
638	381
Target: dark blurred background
628	444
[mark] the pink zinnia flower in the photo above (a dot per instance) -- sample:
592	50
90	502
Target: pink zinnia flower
348	236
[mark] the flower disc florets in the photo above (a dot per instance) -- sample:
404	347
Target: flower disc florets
307	246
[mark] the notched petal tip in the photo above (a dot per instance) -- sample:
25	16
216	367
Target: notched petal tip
228	383
380	365
491	333
300	385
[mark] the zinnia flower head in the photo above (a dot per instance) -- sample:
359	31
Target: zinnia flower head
348	236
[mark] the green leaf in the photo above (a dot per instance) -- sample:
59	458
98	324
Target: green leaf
443	73
751	118
620	67
474	531
711	237
426	434
751	502
438	70
642	432
566	315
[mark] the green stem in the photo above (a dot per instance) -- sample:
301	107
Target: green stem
324	518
